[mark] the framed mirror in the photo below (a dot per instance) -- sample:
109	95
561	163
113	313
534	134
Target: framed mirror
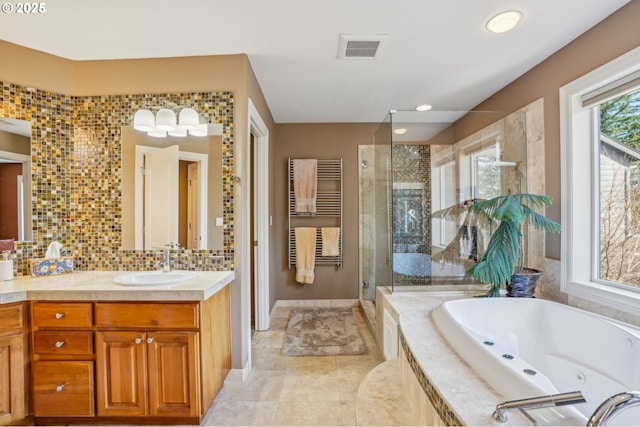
171	191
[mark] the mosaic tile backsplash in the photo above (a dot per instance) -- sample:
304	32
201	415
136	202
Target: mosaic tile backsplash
77	179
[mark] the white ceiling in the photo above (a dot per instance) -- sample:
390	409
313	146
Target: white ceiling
437	52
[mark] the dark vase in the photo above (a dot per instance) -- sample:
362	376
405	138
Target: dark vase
523	283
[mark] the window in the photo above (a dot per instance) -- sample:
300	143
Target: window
486	174
600	149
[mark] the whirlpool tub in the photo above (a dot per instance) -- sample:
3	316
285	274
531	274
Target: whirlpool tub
530	347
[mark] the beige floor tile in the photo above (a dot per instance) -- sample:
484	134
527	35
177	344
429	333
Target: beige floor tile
308	390
367	361
261	386
269	359
241	414
313	414
311	387
349	381
301	365
268	339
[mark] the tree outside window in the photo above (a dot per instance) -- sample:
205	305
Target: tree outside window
620	190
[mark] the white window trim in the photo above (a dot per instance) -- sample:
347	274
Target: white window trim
579	249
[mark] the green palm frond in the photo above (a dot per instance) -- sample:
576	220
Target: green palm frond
540	221
498	263
499	260
534	201
509	210
486	208
451	213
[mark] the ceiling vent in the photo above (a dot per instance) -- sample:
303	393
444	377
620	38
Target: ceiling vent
360	46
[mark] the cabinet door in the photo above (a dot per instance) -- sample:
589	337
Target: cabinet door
121	367
12	392
173	374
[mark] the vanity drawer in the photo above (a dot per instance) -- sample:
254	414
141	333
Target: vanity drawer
63	389
62	314
11	317
63	343
147	315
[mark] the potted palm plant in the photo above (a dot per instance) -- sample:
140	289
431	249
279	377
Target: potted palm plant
502	261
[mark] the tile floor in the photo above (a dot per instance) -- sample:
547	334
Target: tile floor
281	391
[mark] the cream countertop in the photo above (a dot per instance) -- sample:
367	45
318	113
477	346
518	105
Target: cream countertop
98	286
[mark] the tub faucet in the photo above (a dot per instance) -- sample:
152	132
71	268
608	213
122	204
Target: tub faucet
560	399
613	405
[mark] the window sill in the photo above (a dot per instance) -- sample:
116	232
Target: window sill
608	296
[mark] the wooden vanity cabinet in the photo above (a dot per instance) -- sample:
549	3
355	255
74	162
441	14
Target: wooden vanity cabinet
13	399
62	359
147	359
128	362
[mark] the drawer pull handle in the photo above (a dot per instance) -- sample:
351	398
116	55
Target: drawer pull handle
60	387
138	340
60	344
59	316
149	340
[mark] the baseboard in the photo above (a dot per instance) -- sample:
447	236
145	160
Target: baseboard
238	375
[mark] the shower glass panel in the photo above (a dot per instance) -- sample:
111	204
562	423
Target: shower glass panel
375	170
429	168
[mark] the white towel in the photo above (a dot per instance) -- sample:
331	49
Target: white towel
330	241
305	185
305	254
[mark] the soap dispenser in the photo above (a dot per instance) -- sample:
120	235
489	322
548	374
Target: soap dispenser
6	266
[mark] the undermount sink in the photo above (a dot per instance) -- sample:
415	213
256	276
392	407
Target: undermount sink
154	278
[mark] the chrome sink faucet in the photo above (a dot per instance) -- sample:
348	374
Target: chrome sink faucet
166	262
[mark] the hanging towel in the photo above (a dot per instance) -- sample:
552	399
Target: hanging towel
305	254
330	241
305	184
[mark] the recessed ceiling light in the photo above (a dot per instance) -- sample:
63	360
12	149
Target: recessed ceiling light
504	21
424	107
400	131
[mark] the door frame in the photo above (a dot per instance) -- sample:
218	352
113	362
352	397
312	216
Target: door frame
201	158
257	127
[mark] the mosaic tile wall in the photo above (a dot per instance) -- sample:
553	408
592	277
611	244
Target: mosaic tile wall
411	195
76	173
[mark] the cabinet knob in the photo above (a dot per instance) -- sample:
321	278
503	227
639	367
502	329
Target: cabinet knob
149	340
138	340
60	387
59	316
60	344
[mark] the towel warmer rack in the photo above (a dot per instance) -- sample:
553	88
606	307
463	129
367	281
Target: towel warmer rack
328	210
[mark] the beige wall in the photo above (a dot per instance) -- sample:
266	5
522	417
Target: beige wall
32	68
614	36
320	141
15	143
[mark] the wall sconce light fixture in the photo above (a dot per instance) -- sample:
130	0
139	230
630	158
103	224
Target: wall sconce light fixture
166	122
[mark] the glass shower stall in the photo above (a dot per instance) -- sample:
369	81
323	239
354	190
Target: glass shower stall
417	181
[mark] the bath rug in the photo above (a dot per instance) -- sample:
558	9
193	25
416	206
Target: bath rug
322	332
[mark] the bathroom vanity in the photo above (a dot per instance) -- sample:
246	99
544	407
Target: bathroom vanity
103	353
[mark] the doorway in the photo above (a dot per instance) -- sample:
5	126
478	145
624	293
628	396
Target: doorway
171	197
258	210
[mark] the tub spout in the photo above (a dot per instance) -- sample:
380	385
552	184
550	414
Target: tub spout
613	405
560	399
